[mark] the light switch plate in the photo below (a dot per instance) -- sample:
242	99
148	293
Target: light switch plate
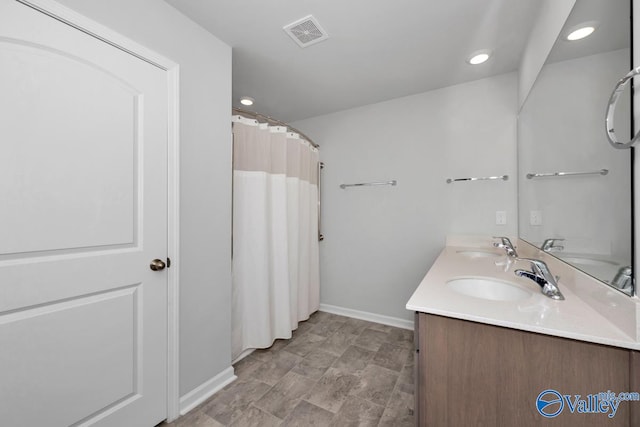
535	217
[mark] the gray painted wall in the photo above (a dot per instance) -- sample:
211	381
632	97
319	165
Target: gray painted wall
550	20
380	241
205	207
561	128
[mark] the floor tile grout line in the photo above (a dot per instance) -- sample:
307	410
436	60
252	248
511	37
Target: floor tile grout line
395	342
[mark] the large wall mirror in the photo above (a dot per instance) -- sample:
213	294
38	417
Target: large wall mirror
575	197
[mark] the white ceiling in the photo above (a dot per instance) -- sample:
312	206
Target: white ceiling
612	33
377	49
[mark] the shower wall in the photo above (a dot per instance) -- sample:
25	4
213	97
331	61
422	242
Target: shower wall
380	241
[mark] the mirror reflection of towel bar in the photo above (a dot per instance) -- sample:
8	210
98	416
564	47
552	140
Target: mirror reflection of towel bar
486	178
540	175
367	184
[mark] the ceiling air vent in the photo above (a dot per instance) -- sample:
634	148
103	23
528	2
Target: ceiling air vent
306	31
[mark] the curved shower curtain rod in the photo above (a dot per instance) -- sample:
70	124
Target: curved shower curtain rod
273	121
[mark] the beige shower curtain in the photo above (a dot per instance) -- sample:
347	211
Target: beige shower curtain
275	234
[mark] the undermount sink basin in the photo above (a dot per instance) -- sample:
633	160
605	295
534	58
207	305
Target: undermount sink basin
489	289
478	254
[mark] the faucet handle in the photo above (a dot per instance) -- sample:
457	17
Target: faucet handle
503	238
505	243
623	278
550	244
541	269
542	276
537	262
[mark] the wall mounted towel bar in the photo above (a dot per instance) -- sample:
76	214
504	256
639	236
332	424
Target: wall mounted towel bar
366	184
540	175
485	178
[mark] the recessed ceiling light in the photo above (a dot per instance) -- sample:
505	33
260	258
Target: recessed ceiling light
581	31
245	100
478	57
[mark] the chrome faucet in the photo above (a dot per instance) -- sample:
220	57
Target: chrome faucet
542	276
549	245
623	280
506	244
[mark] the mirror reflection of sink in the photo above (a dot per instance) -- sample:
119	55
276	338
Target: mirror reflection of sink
488	288
473	253
588	261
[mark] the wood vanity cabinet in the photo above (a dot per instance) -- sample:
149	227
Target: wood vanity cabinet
473	374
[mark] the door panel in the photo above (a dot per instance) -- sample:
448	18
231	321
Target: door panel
55	98
54	368
83	184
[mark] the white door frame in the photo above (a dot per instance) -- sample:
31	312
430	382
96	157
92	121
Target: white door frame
94	29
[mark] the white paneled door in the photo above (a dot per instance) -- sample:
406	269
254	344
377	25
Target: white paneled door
83	213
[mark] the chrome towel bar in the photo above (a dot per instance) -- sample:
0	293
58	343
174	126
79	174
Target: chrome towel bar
485	178
367	184
540	175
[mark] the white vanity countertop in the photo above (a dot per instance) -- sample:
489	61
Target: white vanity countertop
572	318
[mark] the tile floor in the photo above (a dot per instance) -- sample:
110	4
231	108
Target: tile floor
335	371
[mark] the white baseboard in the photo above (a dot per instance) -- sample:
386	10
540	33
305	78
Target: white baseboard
243	355
206	390
371	317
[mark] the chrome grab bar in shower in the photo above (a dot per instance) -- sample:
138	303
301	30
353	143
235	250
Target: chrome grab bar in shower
320	235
